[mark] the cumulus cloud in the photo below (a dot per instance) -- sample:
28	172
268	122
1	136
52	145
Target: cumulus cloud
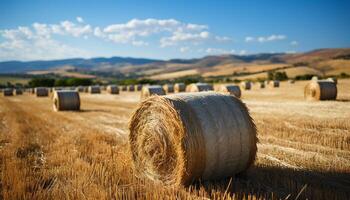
263	39
294	43
80	20
184	49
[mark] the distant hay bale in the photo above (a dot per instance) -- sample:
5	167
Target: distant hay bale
139	87
291	81
66	100
8	92
103	88
199	87
124	88
320	90
148	91
314	78
168	88
179	87
260	84
274	84
335	80
246	85
79	89
181	138
113	89
94	89
131	88
231	89
18	91
41	92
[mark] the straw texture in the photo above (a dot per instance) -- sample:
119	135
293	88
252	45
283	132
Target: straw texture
148	91
41	92
320	90
179	87
94	89
168	88
246	85
66	100
8	92
181	138
113	89
199	87
230	89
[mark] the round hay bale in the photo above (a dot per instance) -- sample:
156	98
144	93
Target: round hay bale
103	88
113	89
335	80
94	89
291	81
260	84
66	100
148	91
168	88
8	92
181	138
246	85
274	84
320	90
314	78
199	87
231	89
41	92
124	88
18	91
139	87
131	88
79	89
179	87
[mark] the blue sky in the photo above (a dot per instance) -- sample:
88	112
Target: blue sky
42	30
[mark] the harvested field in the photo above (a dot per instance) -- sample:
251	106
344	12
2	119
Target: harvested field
304	149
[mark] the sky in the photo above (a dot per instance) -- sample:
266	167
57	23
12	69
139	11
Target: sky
164	29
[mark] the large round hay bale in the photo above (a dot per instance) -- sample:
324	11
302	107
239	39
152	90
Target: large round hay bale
148	91
199	87
320	90
274	84
18	91
230	89
181	138
94	89
168	88
139	87
131	88
66	100
113	89
41	92
179	87
335	80
8	92
246	85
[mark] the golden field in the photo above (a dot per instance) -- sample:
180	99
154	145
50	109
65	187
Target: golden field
304	149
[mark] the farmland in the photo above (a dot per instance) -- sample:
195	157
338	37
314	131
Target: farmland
304	149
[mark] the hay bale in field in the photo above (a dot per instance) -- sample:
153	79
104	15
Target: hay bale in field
80	89
181	138
41	92
274	84
124	88
139	87
8	92
260	84
199	87
291	81
314	78
168	88
179	87
103	88
320	90
131	88
66	100
18	91
148	91
94	89
231	89
246	85
335	80
113	89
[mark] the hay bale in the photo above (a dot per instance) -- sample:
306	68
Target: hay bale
131	88
66	100
314	78
139	87
230	89
41	92
148	91
274	84
179	87
335	80
80	89
18	91
246	85
260	84
168	88
113	89
8	92
181	138
124	88
199	87
320	90
94	89
291	81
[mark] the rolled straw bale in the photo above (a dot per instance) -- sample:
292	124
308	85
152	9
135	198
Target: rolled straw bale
314	78
148	91
66	100
94	89
18	91
199	87
103	88
131	88
179	87
231	89
113	89
320	90
168	88
335	80
79	89
181	138
139	87
274	84
246	85
41	92
8	92
261	84
124	88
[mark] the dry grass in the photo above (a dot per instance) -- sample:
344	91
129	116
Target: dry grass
85	155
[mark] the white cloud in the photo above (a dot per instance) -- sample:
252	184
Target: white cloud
263	39
219	51
80	20
294	43
249	39
184	49
75	30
